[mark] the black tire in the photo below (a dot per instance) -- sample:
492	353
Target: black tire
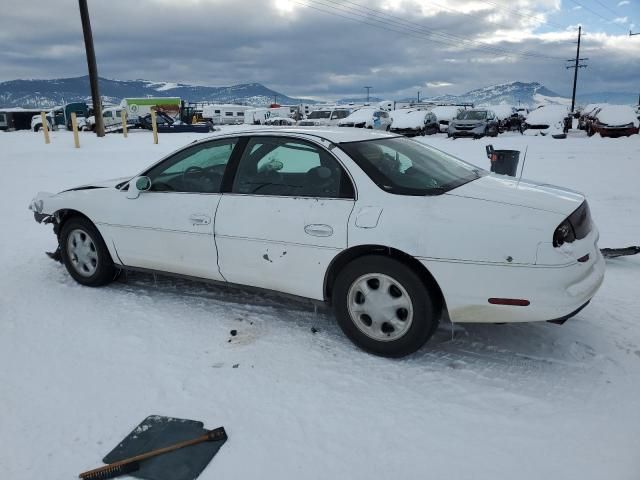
105	272
424	320
36	128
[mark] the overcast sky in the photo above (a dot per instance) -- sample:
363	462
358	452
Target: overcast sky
329	48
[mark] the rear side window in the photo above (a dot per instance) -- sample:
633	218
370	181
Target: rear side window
290	167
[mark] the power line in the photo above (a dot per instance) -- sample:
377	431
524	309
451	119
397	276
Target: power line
604	5
402	22
422	33
598	15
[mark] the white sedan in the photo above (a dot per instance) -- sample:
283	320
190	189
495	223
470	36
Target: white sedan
396	235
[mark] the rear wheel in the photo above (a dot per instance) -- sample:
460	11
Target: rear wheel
383	306
85	254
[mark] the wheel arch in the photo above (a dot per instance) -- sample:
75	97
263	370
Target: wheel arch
62	215
350	254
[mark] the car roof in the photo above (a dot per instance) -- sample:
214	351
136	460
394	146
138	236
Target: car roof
333	135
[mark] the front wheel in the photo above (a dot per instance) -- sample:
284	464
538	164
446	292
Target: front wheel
383	306
85	254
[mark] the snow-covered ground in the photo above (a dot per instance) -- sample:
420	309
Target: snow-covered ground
81	367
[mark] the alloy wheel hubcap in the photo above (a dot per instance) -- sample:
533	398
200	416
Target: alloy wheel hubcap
82	252
380	307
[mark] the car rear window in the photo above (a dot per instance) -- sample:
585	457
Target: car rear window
405	167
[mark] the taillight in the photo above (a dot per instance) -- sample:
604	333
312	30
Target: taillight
575	226
563	234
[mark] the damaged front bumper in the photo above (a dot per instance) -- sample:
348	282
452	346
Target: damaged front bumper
40	216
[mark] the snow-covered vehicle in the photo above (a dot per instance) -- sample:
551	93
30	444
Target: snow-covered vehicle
474	123
36	122
367	117
446	113
414	122
111	117
614	121
587	114
277	209
324	118
61	116
280	121
225	113
546	120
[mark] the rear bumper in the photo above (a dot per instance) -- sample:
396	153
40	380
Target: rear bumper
616	132
467	132
554	292
406	131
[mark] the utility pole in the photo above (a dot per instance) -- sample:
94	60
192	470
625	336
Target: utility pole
576	66
93	68
418	96
275	99
368	89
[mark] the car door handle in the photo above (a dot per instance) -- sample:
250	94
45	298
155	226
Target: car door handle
318	230
199	219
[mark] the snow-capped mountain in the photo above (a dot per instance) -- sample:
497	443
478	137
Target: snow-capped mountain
48	93
512	93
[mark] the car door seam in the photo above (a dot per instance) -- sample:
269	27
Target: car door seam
215	242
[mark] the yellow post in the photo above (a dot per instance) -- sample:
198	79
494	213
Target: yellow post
194	120
154	126
124	121
74	126
45	127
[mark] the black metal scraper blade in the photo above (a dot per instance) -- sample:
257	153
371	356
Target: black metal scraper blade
157	431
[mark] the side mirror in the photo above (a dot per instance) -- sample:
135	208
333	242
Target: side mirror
138	185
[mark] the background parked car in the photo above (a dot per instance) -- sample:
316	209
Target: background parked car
446	113
280	121
546	120
474	123
111	116
506	114
367	118
587	115
614	121
414	122
329	117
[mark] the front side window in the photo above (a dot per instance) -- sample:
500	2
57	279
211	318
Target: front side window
319	114
228	114
339	114
290	167
197	169
405	167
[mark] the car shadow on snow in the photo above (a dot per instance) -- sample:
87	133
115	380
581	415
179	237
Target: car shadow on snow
491	350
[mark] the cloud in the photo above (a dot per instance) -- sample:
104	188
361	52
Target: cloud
623	2
439	84
620	20
330	51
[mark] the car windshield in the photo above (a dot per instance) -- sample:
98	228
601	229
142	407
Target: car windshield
406	167
319	114
472	115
